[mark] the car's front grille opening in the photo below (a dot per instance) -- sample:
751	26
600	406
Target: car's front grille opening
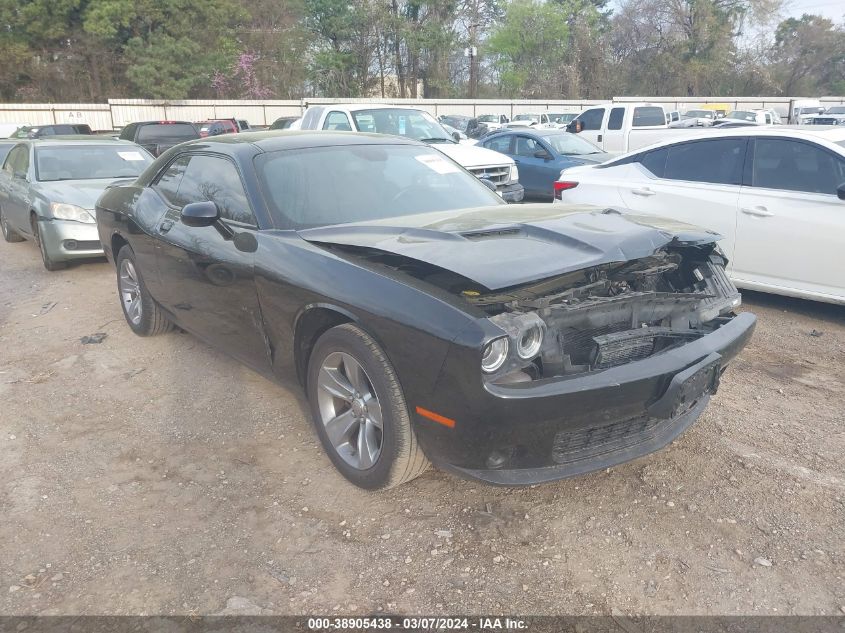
497	175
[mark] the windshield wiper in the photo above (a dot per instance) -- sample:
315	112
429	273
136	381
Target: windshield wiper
437	139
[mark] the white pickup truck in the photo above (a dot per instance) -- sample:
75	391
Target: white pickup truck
622	127
418	124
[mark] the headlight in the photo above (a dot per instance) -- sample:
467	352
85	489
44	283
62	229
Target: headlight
62	211
528	341
514	175
494	355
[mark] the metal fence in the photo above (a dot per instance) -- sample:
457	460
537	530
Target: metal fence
118	112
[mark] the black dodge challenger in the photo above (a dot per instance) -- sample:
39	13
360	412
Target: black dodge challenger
427	320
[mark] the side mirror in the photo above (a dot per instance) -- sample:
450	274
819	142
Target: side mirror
575	126
198	214
840	191
541	153
489	184
456	136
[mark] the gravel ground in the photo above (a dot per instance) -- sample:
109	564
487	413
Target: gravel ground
157	476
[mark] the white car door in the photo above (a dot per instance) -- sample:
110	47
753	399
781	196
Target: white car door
791	227
592	125
697	182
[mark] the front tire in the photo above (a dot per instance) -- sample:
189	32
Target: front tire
49	263
359	411
142	313
9	234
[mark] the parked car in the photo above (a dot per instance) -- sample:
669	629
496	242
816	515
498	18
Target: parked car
418	124
541	154
41	131
217	127
158	136
458	135
760	117
48	189
526	119
467	125
802	110
493	121
561	119
621	127
776	197
695	118
425	319
834	115
283	123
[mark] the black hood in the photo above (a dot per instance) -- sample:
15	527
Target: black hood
503	246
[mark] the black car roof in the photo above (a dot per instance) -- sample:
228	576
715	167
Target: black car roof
273	140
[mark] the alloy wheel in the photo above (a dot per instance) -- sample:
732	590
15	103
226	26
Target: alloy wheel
130	291
350	410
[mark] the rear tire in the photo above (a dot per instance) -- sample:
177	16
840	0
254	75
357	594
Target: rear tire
49	263
353	390
9	234
142	313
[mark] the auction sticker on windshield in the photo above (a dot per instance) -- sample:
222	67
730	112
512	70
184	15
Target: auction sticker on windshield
438	164
130	156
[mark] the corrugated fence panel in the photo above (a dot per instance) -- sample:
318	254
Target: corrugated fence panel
118	112
97	115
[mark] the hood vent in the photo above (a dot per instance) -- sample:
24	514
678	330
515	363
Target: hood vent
483	235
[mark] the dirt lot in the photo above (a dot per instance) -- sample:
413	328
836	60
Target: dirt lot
157	476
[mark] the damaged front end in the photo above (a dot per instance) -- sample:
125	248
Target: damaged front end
605	316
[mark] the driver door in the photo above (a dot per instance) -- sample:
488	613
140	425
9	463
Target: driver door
208	280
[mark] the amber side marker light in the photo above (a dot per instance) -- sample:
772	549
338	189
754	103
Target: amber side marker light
436	417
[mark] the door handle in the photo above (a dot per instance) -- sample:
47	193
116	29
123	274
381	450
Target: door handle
165	226
758	212
645	192
598	138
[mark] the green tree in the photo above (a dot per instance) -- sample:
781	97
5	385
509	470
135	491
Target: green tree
528	48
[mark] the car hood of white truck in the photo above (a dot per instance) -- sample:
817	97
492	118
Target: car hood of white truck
471	156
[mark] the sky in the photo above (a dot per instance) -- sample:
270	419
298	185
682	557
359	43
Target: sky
833	9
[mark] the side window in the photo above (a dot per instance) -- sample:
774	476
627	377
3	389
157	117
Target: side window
169	181
648	115
591	119
15	159
796	166
337	121
716	161
615	120
216	179
655	161
526	146
499	144
128	132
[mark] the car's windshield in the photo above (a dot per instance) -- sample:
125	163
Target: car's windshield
415	124
564	117
570	144
488	118
698	114
358	183
457	122
88	162
742	115
835	110
167	132
527	117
